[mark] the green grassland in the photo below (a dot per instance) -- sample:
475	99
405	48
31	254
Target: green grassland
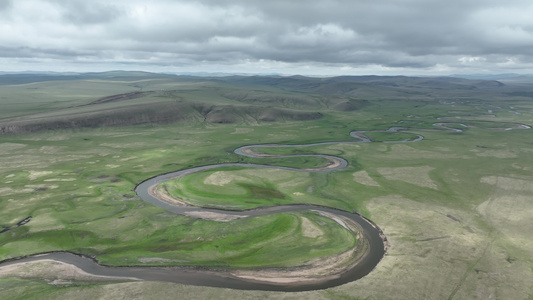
455	206
388	137
242	243
238	188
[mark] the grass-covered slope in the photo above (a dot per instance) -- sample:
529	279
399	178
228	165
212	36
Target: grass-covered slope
238	188
33	103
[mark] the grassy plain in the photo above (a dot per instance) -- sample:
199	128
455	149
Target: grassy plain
455	207
238	188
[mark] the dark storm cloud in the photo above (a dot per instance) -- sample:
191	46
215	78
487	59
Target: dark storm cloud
396	34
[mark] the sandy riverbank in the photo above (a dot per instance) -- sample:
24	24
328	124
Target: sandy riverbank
53	271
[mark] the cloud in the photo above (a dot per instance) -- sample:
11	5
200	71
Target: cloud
80	12
328	35
5	5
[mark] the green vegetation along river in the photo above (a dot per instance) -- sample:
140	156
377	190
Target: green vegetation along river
370	248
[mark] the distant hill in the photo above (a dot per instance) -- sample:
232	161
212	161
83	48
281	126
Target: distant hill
45	101
507	77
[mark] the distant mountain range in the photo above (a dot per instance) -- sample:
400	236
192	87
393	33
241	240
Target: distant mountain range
30	101
503	76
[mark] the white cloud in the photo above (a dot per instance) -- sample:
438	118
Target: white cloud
471	59
295	36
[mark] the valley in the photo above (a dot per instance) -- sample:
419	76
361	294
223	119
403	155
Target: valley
449	187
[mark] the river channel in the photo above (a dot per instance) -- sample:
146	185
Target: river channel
369	234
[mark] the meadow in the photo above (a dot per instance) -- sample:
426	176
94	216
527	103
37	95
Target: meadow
455	206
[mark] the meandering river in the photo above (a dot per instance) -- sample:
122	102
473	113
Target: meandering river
369	234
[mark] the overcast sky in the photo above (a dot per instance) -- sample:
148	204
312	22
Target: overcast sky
309	37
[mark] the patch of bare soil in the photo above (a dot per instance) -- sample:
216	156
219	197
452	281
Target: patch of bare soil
206	215
312	271
36	174
52	270
154	191
413	175
362	177
310	229
219	178
249	151
332	164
